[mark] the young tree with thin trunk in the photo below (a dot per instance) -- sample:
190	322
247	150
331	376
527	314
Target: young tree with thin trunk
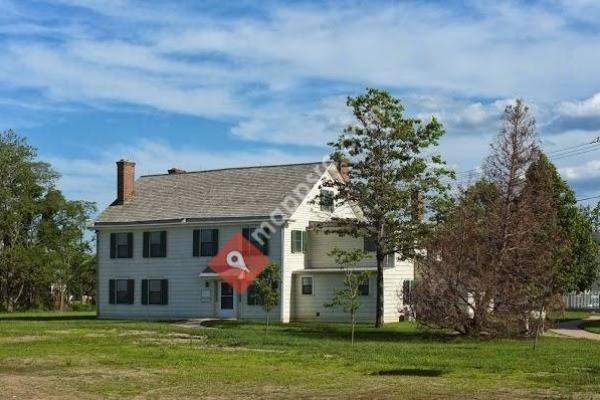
394	179
268	290
348	297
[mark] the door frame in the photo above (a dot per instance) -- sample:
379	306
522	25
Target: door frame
226	313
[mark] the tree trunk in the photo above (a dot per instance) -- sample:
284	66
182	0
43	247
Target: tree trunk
379	312
267	325
353	324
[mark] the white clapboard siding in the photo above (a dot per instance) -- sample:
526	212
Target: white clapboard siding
312	307
393	278
179	267
321	245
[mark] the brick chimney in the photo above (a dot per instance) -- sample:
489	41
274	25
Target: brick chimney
176	171
343	167
125	181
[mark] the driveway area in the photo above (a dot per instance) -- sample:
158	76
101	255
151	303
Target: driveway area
572	329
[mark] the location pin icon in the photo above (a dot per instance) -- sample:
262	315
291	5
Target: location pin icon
236	260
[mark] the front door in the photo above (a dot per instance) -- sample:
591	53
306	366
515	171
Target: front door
226	300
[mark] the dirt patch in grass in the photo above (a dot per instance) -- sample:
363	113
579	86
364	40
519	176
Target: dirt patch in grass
22	339
38	387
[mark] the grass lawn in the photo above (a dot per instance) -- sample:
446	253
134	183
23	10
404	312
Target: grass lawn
73	355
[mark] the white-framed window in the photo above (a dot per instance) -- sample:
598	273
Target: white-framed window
299	241
307	285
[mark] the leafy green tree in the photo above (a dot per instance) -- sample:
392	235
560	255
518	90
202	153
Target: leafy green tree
40	232
267	287
592	214
578	270
348	297
395	179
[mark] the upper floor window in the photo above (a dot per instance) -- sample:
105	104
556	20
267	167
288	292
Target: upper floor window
155	244
326	200
121	245
299	241
206	242
120	291
369	244
262	242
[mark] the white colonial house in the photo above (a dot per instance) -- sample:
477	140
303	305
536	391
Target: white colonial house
155	241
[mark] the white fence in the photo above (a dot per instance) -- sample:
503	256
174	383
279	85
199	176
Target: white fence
583	301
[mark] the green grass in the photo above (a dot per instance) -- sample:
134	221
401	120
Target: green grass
72	355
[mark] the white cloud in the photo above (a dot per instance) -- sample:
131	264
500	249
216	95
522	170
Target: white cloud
589	107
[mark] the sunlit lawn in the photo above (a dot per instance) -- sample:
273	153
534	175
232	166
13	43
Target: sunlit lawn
73	355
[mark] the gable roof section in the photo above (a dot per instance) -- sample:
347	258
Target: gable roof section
215	194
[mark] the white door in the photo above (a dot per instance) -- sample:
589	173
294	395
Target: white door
226	300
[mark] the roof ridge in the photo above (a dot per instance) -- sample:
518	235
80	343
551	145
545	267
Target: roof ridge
237	168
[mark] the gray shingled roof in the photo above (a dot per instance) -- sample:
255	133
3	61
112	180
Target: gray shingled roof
224	193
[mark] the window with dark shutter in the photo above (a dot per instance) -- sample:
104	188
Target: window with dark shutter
209	242
121	291
155	291
121	245
196	243
305	241
155	244
113	245
144	291
261	243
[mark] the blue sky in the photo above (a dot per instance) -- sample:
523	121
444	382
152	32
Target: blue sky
200	85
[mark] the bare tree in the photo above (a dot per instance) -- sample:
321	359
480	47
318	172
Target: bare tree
493	264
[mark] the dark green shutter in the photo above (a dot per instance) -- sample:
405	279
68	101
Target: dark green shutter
163	243
265	245
111	291
216	241
113	245
305	241
144	291
130	245
130	290
196	239
146	244
164	287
